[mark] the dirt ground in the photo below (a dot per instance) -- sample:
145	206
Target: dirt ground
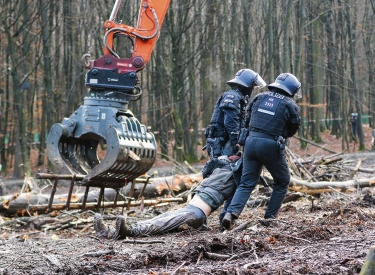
329	233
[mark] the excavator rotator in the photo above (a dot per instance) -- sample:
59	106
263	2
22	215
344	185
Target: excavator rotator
104	119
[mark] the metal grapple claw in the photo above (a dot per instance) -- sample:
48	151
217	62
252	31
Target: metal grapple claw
130	150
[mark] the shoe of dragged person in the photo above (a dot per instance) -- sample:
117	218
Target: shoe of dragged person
227	221
102	231
121	231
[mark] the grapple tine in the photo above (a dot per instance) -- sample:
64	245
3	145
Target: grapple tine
56	149
126	158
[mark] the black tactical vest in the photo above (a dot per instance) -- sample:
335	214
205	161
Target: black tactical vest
267	113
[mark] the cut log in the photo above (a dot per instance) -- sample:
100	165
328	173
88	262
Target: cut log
158	187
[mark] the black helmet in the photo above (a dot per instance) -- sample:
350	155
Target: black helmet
246	78
288	83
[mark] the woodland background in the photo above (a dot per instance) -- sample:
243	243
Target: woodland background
327	44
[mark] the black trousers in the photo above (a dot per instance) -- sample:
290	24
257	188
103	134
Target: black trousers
258	152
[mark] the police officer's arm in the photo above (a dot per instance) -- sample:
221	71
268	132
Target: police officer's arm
293	119
232	116
245	126
231	108
248	110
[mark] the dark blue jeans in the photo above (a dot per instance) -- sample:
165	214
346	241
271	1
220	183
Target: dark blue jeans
259	152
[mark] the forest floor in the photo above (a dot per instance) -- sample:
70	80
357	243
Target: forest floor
329	234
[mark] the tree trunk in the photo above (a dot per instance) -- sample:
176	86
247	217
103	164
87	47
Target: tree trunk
368	37
333	98
191	123
317	97
354	85
47	77
286	31
341	69
312	124
327	186
298	62
271	39
5	123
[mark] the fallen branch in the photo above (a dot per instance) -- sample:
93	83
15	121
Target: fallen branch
296	238
303	186
215	256
98	253
313	143
245	225
239	255
142	241
53	260
356	167
364	170
178	268
290	153
38	221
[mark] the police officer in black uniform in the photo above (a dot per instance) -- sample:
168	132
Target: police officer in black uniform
227	121
273	117
229	115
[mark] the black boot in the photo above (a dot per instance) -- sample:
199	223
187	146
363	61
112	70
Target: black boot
221	216
227	221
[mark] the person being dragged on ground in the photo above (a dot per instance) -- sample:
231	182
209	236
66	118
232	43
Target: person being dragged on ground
209	196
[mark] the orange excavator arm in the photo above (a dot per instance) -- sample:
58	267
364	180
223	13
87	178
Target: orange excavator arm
150	19
144	36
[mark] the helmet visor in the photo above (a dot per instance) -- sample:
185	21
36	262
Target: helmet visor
299	93
259	82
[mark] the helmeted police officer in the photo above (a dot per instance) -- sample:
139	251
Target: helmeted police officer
229	113
272	117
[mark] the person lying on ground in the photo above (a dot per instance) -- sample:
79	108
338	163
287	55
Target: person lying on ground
208	197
